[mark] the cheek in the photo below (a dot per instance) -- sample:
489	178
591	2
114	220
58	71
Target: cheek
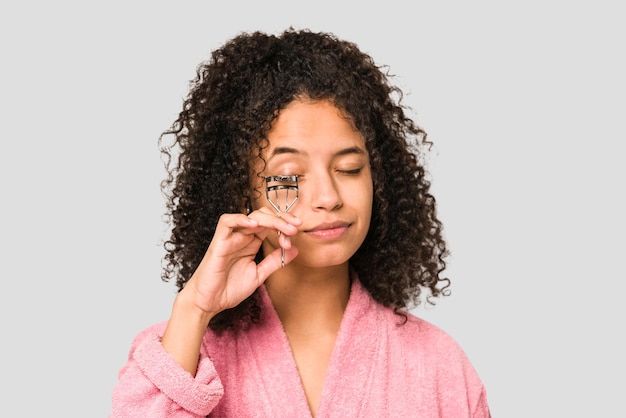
368	201
368	187
361	196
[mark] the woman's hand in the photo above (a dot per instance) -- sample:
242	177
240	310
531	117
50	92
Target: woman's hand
225	277
228	273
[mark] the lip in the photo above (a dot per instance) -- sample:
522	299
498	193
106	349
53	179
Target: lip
328	230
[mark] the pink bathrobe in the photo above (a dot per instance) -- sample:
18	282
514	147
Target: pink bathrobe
378	369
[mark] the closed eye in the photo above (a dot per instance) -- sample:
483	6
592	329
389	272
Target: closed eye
352	171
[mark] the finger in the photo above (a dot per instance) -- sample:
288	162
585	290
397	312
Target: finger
284	241
287	216
286	223
290	217
273	262
230	221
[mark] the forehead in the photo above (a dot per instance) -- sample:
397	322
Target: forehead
309	125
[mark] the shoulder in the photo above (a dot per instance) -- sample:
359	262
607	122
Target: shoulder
426	350
411	326
401	326
418	330
417	339
428	360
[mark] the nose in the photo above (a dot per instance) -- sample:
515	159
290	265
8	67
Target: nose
324	192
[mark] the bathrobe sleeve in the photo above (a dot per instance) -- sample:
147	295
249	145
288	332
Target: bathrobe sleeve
152	384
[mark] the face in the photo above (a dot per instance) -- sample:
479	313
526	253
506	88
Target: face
313	140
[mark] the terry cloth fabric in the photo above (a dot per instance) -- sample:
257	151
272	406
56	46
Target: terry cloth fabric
378	368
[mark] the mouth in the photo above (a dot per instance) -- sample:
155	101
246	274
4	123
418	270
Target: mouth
328	230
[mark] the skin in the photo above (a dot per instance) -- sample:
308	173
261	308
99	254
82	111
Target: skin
319	234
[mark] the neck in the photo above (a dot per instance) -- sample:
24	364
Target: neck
310	301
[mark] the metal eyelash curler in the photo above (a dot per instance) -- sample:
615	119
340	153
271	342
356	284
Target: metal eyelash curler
277	191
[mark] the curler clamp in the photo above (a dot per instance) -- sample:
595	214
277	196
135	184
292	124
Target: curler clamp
282	193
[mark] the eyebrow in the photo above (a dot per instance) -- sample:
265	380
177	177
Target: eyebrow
283	150
351	150
287	150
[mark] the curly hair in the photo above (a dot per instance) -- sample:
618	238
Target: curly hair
222	128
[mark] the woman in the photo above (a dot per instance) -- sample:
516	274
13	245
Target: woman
298	311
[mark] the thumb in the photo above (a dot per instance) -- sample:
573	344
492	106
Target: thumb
273	262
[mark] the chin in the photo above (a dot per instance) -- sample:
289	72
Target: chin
322	259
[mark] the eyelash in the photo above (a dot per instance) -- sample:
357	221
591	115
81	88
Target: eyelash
351	172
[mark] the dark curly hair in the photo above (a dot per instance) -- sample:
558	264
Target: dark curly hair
222	128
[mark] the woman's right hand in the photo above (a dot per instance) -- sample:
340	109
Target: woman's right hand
226	276
228	273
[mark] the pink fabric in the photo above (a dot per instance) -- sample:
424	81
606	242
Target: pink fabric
378	369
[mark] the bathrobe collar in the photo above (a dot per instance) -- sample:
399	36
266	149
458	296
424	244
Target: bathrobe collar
350	371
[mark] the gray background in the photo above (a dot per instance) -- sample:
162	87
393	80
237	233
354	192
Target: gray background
525	104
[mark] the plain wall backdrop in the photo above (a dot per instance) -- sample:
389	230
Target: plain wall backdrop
524	101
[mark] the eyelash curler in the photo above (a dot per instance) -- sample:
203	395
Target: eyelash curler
277	192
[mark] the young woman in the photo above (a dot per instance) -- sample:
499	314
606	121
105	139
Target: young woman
299	311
